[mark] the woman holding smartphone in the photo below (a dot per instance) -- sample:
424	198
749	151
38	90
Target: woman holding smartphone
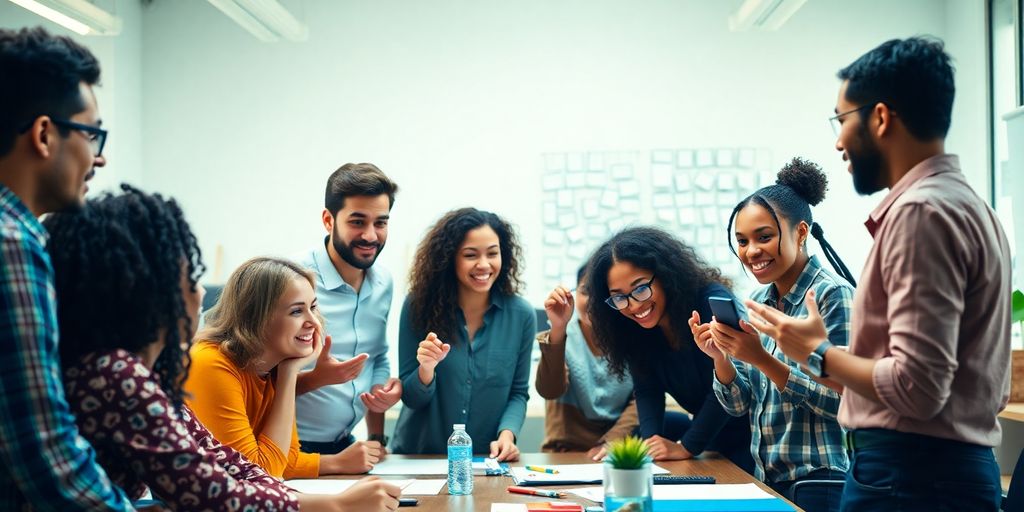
792	416
644	283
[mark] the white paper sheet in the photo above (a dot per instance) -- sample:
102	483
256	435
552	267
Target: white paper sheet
569	473
393	466
687	492
423	487
331	486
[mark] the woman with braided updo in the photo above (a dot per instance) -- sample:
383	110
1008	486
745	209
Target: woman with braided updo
127	268
796	435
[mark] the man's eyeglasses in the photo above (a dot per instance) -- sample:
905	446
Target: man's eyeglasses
641	293
96	136
837	126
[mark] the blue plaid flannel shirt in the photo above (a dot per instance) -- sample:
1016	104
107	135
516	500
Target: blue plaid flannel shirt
44	463
794	431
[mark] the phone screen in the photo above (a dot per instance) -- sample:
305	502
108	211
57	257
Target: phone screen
725	311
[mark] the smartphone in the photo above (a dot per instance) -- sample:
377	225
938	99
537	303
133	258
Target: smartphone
725	311
408	502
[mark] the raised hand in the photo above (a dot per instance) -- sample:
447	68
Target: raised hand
329	370
382	397
796	337
559	307
431	352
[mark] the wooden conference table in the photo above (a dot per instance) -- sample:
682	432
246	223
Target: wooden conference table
491	489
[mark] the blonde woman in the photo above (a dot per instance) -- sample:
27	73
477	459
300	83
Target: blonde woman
264	329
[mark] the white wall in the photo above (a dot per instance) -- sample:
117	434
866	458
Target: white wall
457	100
121	64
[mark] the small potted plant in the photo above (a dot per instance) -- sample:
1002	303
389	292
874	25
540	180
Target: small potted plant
627	476
1017	357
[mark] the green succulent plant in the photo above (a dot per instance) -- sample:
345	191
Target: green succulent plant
630	452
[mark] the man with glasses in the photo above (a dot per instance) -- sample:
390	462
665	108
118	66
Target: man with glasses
50	146
928	366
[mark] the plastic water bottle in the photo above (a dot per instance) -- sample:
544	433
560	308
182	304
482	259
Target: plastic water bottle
460	462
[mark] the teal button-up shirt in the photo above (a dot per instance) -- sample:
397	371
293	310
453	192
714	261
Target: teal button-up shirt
483	384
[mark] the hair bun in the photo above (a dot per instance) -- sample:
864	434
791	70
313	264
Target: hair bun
805	178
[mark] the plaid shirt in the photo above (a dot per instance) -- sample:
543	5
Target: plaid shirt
44	463
794	431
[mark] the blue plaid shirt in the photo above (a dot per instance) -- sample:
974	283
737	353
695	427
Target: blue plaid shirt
44	463
793	431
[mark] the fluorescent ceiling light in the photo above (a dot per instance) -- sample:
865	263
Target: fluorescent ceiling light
763	14
78	16
268	20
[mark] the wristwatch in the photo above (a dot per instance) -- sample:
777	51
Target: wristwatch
380	438
816	361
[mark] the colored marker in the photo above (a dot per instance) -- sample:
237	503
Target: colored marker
534	492
542	469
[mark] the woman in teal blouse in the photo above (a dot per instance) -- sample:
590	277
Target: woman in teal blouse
465	338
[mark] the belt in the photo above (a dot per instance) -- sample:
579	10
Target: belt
861	439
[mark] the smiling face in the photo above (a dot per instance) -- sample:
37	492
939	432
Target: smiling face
478	261
760	249
294	323
623	278
360	229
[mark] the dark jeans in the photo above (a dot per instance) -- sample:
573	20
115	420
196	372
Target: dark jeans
814	498
732	444
892	470
326	448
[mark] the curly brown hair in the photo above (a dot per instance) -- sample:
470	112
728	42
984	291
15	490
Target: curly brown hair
433	287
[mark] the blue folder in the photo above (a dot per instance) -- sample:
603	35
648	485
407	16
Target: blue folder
759	505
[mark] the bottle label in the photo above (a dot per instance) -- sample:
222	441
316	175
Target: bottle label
460	452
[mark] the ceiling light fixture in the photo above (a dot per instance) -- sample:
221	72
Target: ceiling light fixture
268	20
763	14
78	16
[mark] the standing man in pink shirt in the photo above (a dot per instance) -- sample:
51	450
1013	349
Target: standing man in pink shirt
928	367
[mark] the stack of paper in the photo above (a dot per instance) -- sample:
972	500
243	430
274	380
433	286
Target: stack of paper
566	474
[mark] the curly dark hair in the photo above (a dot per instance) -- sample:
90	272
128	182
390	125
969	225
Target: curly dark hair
118	265
41	76
680	272
800	184
913	76
433	287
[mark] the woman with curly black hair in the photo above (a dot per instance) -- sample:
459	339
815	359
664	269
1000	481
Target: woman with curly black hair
797	435
127	269
465	338
644	284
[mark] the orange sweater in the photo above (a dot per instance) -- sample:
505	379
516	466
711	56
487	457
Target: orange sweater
233	405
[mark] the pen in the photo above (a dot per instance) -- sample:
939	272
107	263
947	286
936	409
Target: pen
542	469
534	492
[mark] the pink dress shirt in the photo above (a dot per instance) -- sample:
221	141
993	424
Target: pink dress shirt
933	307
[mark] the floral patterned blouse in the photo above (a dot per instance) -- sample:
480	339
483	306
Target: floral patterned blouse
143	441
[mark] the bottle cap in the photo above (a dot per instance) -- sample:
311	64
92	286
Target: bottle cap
459	426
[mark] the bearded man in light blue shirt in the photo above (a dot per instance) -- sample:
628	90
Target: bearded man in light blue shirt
354	297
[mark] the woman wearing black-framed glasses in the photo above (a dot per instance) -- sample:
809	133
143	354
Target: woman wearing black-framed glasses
649	283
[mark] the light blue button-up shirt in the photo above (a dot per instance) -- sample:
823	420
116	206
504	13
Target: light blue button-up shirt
356	323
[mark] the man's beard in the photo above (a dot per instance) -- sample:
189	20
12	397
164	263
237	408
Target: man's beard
347	254
866	164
